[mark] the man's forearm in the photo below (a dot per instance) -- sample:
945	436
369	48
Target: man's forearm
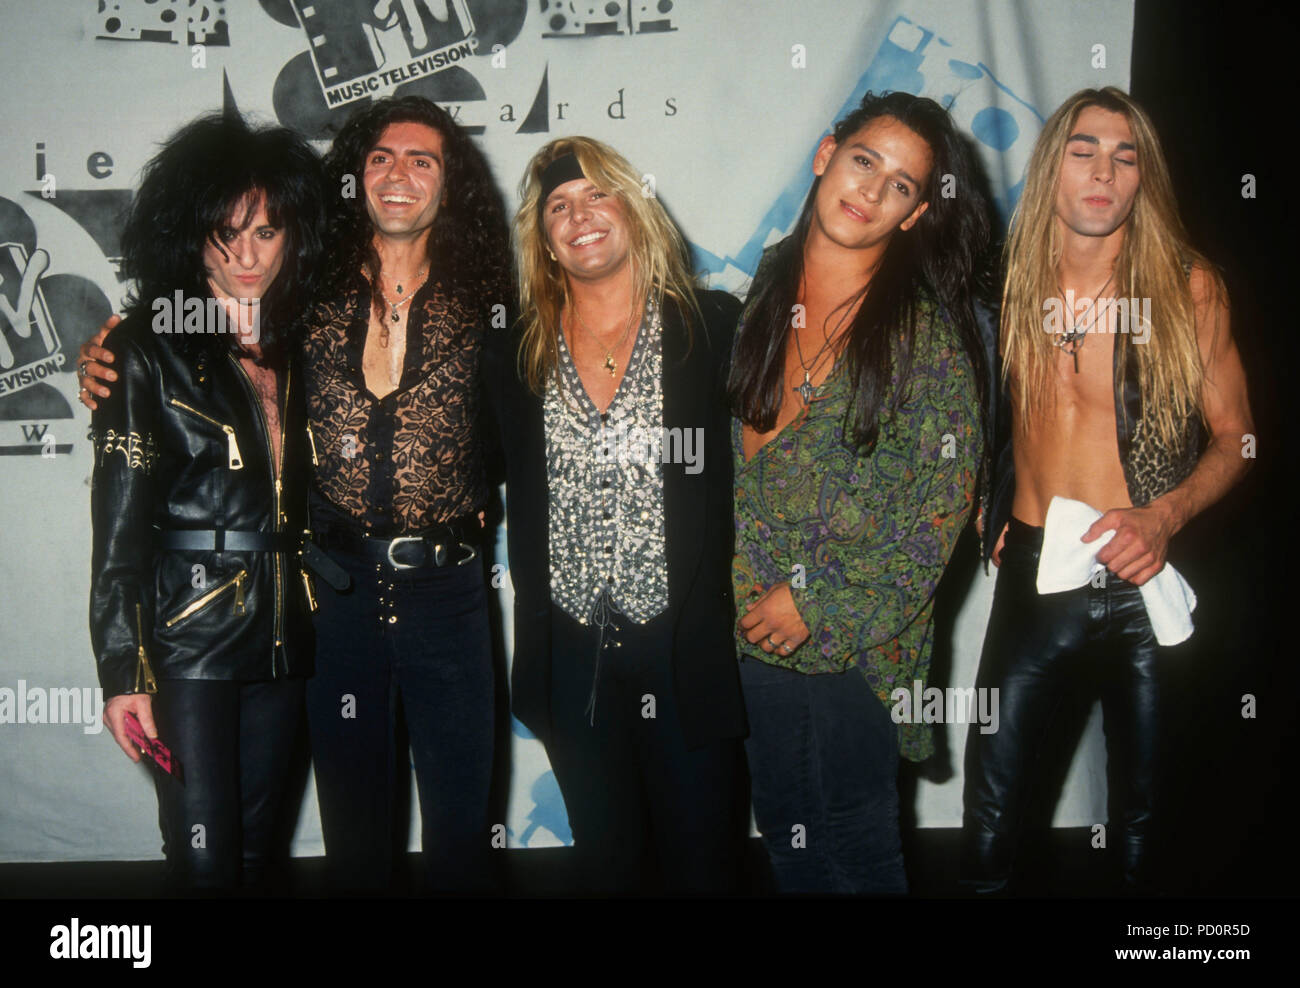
1220	467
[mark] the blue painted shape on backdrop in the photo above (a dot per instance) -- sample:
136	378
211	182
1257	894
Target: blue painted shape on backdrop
518	730
964	69
548	810
995	127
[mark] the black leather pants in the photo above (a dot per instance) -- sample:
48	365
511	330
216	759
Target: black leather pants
235	742
1036	648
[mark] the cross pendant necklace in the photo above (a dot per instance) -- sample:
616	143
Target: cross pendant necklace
1071	342
806	389
1072	339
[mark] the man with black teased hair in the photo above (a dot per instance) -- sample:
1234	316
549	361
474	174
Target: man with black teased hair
390	355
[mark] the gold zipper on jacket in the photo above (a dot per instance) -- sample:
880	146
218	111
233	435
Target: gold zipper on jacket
236	581
236	461
277	467
142	670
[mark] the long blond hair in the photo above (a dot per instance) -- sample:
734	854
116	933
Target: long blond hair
657	252
1153	263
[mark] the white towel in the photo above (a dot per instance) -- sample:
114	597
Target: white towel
1066	563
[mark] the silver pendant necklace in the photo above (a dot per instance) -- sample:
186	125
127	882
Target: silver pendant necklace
1071	340
394	315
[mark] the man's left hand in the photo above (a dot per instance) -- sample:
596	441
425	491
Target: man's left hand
1141	542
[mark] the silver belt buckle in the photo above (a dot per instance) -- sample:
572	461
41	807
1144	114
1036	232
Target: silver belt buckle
402	538
473	554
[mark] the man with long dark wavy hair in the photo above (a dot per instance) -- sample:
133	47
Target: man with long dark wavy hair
419	258
419	263
857	387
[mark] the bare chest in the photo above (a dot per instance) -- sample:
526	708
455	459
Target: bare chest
384	353
265	387
601	370
816	335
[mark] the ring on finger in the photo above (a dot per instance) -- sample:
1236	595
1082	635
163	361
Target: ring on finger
787	647
773	642
81	368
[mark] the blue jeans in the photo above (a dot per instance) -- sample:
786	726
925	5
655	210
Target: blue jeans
414	644
823	764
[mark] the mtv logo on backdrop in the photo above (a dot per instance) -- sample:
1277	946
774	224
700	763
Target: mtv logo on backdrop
362	47
29	345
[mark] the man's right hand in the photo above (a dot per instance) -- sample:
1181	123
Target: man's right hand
140	704
997	549
92	369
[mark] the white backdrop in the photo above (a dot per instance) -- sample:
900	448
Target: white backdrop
722	102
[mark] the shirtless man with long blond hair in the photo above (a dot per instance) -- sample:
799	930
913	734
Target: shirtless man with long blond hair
1128	395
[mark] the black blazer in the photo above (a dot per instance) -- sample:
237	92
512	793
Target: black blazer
698	523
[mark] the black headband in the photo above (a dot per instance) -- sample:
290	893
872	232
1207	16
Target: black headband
563	169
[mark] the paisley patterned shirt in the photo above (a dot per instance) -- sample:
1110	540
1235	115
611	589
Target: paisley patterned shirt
606	512
397	464
863	540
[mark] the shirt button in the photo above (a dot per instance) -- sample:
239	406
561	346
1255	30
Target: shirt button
608	549
604	483
392	619
604	416
607	516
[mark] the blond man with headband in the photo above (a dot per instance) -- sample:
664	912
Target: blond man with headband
614	426
1127	394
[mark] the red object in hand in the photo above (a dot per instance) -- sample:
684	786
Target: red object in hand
153	749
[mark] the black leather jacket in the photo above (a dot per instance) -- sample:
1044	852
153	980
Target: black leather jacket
182	444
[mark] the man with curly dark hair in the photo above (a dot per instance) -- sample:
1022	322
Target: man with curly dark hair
418	267
419	258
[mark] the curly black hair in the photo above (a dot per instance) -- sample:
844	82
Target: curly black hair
469	249
196	185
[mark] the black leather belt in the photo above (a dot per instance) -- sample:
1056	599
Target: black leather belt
449	544
226	540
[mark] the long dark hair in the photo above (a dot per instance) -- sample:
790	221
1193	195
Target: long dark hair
937	256
202	177
469	249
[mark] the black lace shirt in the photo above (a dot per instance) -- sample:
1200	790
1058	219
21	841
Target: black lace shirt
398	464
